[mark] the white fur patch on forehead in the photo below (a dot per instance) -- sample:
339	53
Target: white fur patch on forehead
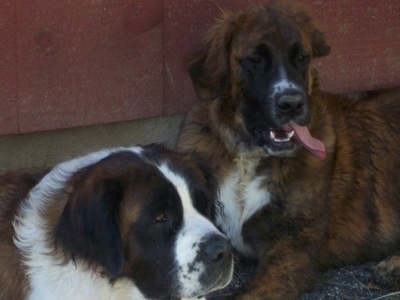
283	83
195	229
183	191
180	185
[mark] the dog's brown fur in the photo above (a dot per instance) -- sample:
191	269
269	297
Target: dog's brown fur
341	210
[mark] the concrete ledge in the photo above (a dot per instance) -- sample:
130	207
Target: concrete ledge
49	148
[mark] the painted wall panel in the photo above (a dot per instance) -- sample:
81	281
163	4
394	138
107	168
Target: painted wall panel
83	62
8	79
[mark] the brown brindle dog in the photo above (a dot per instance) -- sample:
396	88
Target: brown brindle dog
307	180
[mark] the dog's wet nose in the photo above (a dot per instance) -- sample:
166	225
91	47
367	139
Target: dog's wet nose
216	249
291	105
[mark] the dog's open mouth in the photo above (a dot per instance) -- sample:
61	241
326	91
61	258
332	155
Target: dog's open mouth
281	140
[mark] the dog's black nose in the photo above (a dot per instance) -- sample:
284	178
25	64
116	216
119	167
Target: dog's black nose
216	248
291	105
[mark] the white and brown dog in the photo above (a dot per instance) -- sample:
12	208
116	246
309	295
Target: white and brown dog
126	223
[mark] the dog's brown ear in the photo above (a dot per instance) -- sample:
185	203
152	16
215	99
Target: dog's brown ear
301	16
317	38
88	229
319	46
208	64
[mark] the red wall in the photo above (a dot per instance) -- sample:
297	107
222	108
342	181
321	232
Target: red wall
84	62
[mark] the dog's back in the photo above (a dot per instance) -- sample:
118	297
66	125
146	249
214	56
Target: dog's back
364	187
14	187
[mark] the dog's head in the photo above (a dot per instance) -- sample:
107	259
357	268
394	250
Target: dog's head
145	216
257	63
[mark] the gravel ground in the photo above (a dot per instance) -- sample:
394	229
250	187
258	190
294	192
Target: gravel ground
359	282
350	283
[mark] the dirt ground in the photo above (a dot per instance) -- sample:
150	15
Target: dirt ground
358	282
351	283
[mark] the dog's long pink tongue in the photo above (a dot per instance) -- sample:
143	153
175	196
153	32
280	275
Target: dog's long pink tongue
315	146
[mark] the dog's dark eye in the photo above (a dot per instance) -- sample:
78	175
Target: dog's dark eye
160	218
255	59
302	58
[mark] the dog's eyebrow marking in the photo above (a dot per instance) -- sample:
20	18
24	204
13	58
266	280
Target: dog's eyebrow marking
191	215
283	83
181	187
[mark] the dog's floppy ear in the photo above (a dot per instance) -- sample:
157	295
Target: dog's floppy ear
319	46
208	64
315	36
88	229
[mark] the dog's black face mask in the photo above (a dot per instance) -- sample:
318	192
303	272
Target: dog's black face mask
258	65
273	73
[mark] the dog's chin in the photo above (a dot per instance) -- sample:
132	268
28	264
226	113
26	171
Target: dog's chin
216	284
277	142
280	149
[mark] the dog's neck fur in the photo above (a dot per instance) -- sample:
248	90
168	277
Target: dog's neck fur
240	197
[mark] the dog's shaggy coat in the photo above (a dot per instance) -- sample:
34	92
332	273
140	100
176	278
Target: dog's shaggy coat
126	223
307	180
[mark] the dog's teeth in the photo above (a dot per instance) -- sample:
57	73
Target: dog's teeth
286	138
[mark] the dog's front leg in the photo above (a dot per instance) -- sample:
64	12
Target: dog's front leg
285	271
286	248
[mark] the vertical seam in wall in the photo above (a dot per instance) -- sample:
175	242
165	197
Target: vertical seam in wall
163	66
16	66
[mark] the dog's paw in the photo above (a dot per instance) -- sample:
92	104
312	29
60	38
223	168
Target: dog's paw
387	273
390	266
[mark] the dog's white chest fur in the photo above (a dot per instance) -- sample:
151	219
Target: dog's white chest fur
241	195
